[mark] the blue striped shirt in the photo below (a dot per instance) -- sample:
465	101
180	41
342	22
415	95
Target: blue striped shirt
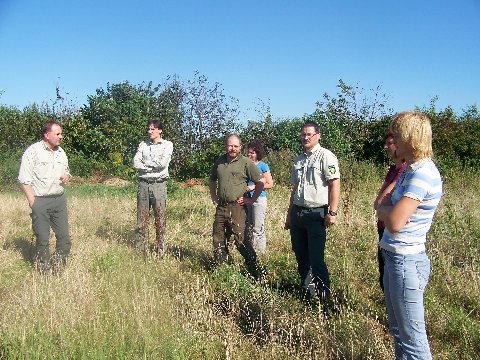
420	181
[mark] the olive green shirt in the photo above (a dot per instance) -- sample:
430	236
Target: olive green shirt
232	177
311	172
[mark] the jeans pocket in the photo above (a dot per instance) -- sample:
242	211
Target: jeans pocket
423	273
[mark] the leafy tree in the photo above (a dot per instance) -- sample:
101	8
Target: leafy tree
455	138
263	131
352	110
115	119
207	116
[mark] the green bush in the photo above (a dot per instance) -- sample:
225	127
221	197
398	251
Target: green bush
280	163
10	164
199	163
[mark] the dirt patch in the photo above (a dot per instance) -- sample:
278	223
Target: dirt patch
96	179
197	184
115	181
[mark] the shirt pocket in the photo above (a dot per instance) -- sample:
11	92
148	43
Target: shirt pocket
314	173
298	171
42	169
60	166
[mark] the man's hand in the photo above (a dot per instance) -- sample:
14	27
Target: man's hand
330	220
245	200
250	188
64	179
287	222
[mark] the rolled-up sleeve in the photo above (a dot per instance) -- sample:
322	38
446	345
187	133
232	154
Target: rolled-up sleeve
25	174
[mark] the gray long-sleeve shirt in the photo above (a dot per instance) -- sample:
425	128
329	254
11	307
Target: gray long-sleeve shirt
152	160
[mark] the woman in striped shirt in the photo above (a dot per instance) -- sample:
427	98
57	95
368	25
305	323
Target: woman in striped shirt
408	215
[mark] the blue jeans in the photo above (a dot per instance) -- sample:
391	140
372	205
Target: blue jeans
405	279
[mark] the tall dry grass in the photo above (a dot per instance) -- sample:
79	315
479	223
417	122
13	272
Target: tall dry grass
111	303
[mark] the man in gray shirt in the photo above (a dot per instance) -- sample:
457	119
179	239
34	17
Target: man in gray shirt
151	161
313	206
43	174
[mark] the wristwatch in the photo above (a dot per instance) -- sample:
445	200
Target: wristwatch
332	213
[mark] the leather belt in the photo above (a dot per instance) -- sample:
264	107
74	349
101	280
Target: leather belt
313	209
225	203
152	181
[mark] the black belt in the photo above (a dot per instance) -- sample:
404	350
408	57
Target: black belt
152	181
312	209
225	203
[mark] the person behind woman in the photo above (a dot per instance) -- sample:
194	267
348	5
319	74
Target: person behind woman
391	178
408	215
256	211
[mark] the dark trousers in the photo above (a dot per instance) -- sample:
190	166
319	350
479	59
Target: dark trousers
308	235
154	196
50	211
230	220
381	261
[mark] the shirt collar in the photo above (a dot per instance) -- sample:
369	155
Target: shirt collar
314	149
419	163
150	142
45	147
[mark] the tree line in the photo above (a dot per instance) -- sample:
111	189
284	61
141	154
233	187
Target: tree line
101	136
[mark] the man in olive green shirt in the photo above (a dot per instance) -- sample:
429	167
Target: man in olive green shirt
228	180
43	174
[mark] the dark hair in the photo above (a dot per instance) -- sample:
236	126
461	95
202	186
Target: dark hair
387	134
257	146
155	122
47	127
311	124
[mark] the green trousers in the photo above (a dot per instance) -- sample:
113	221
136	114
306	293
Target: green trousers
50	212
230	221
151	195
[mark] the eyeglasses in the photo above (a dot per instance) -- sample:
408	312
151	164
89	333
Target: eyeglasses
308	136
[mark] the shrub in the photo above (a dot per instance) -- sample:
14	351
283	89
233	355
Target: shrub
10	164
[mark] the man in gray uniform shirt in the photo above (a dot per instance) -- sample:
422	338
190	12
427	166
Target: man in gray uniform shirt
313	206
43	174
151	161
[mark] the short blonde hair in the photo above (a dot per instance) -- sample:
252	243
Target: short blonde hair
415	130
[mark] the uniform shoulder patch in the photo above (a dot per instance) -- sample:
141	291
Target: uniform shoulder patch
332	169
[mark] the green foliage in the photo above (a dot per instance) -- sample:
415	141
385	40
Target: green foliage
102	191
261	130
280	163
373	144
455	138
333	136
21	128
115	119
351	111
10	161
199	163
207	116
102	137
286	135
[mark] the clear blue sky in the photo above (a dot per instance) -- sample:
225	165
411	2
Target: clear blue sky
286	53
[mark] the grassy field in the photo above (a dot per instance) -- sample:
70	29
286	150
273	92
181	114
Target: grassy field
111	303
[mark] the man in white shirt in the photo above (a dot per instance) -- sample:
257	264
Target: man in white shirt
313	206
151	161
43	174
